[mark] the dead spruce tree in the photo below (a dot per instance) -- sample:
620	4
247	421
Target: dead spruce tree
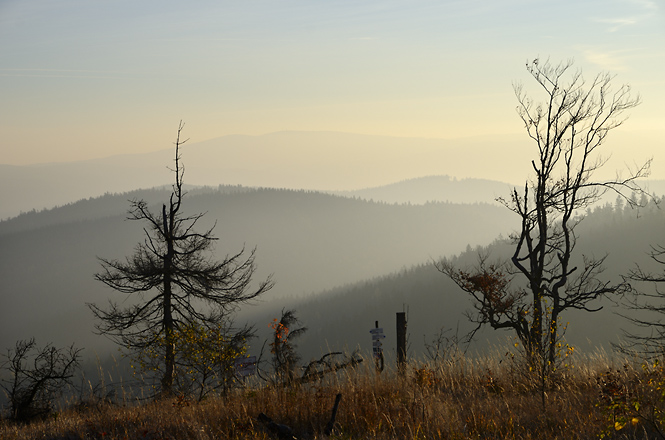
544	276
177	283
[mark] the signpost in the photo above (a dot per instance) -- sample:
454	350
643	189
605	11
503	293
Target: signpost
377	349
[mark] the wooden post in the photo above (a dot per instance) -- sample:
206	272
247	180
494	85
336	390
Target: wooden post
377	349
331	423
401	342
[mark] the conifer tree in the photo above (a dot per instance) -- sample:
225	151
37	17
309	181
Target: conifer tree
175	279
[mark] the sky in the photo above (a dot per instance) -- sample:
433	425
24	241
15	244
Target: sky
82	79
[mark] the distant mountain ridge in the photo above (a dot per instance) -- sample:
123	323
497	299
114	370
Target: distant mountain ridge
322	161
93	208
426	189
325	161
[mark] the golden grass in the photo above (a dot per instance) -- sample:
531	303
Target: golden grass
465	399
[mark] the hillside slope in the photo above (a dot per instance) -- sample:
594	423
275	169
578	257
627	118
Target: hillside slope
342	317
309	241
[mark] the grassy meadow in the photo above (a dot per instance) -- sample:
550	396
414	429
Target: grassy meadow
490	398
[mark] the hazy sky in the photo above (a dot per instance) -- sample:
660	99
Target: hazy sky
82	79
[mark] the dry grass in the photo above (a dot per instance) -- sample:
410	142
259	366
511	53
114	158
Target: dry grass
457	400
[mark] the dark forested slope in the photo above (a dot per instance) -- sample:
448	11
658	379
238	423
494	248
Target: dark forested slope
309	241
342	317
380	254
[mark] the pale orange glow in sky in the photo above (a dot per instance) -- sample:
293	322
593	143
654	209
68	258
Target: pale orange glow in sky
82	80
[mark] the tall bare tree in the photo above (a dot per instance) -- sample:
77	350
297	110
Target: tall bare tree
182	283
545	276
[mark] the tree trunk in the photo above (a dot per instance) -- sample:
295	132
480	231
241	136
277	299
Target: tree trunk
169	349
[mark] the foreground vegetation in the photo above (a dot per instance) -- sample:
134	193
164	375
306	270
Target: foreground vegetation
460	399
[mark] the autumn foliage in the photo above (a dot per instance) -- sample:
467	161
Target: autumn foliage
204	361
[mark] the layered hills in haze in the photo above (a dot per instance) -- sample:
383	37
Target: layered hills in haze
323	161
309	241
344	255
342	317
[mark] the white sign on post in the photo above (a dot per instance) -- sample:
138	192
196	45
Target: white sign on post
377	335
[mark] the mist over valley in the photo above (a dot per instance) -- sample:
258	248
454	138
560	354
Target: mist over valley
309	241
342	259
308	220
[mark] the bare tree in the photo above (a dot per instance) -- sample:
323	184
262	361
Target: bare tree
36	377
184	285
545	276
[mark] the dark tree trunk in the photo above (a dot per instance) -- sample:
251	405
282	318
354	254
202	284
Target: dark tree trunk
169	349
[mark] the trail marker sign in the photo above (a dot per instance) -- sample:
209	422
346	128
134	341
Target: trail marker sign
377	350
377	335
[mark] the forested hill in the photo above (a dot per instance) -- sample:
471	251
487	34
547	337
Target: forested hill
412	191
341	317
380	254
309	241
445	188
435	188
93	208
